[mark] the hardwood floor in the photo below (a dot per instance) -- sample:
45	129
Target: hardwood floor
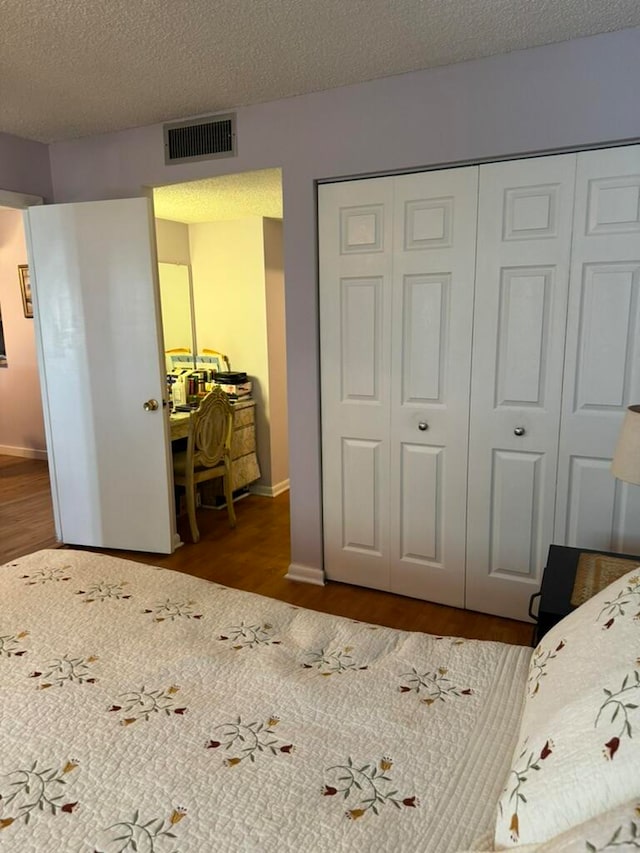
26	513
254	556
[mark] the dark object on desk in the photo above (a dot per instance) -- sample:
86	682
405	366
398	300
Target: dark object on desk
230	378
571	576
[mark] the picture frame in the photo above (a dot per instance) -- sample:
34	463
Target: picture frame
25	289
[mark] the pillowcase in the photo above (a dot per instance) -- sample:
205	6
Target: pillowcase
618	829
578	751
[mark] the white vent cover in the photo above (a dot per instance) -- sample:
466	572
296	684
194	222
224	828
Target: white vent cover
200	139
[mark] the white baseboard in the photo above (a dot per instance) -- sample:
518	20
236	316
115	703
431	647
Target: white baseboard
25	452
305	574
270	491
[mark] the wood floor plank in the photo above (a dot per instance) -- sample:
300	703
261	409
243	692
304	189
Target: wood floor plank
26	512
253	556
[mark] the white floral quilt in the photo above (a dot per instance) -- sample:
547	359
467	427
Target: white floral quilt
146	710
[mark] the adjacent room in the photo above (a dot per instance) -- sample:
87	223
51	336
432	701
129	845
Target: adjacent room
320	427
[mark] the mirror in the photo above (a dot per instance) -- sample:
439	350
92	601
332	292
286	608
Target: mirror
176	303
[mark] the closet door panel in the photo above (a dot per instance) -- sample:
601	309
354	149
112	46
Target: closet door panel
516	489
421	534
435	216
602	371
355	250
592	488
524	238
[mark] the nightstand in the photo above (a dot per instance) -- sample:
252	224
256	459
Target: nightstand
571	576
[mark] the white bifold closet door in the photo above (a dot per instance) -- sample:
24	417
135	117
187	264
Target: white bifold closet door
397	259
602	370
524	241
480	333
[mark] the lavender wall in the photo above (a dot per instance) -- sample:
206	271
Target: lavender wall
24	166
579	93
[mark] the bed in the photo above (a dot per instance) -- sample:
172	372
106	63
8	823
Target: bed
147	710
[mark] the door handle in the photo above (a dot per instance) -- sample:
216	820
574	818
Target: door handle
519	431
150	405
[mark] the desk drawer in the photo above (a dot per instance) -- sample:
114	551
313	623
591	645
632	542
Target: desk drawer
243	441
243	417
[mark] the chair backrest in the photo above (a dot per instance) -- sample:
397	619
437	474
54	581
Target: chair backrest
210	429
219	358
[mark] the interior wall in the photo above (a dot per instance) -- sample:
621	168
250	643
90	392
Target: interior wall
557	97
172	241
21	420
227	261
24	166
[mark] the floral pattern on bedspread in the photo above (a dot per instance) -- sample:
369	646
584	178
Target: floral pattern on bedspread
247	740
139	834
619	706
25	792
11	645
57	573
369	787
269	724
432	686
65	670
528	763
142	704
244	636
332	661
172	610
103	591
540	661
626	598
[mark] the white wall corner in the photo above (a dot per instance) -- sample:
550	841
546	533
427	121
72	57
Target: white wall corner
25	452
305	574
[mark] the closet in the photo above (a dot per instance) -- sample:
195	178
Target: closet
479	332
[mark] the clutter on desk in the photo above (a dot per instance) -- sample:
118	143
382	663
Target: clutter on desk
235	384
186	386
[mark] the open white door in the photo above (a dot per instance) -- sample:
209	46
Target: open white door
94	279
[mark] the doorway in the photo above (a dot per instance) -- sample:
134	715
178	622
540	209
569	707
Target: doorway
223	237
268	266
26	514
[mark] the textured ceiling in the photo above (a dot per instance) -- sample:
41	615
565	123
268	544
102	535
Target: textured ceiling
228	197
71	68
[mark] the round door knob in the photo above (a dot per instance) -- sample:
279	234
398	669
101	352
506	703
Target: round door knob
423	426
519	431
150	405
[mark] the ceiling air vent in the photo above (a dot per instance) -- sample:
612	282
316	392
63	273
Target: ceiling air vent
200	139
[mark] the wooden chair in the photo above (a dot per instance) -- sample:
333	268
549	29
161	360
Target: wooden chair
223	359
208	453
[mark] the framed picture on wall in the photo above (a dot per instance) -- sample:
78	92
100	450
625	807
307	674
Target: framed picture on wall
25	288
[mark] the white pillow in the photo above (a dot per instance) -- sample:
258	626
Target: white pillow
618	829
578	752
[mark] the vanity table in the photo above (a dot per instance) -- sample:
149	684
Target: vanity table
245	468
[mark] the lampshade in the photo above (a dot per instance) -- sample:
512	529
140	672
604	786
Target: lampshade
626	459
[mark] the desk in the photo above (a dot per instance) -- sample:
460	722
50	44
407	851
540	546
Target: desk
179	425
245	468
